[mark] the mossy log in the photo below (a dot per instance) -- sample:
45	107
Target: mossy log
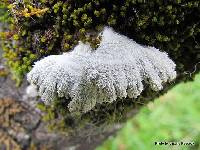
51	27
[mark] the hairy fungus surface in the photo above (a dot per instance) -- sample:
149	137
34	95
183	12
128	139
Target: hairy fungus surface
118	68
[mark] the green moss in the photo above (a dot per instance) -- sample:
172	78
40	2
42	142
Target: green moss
3	13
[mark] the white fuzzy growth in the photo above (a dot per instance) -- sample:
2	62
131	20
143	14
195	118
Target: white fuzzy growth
31	91
116	69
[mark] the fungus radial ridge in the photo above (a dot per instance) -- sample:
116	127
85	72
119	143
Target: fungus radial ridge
117	69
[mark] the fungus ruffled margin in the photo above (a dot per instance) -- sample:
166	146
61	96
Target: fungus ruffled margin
117	69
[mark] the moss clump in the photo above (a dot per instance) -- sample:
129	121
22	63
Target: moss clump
58	117
3	13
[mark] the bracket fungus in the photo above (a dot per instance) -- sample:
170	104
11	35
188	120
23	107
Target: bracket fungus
117	69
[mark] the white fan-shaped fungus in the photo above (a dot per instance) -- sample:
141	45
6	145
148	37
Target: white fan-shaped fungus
118	68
